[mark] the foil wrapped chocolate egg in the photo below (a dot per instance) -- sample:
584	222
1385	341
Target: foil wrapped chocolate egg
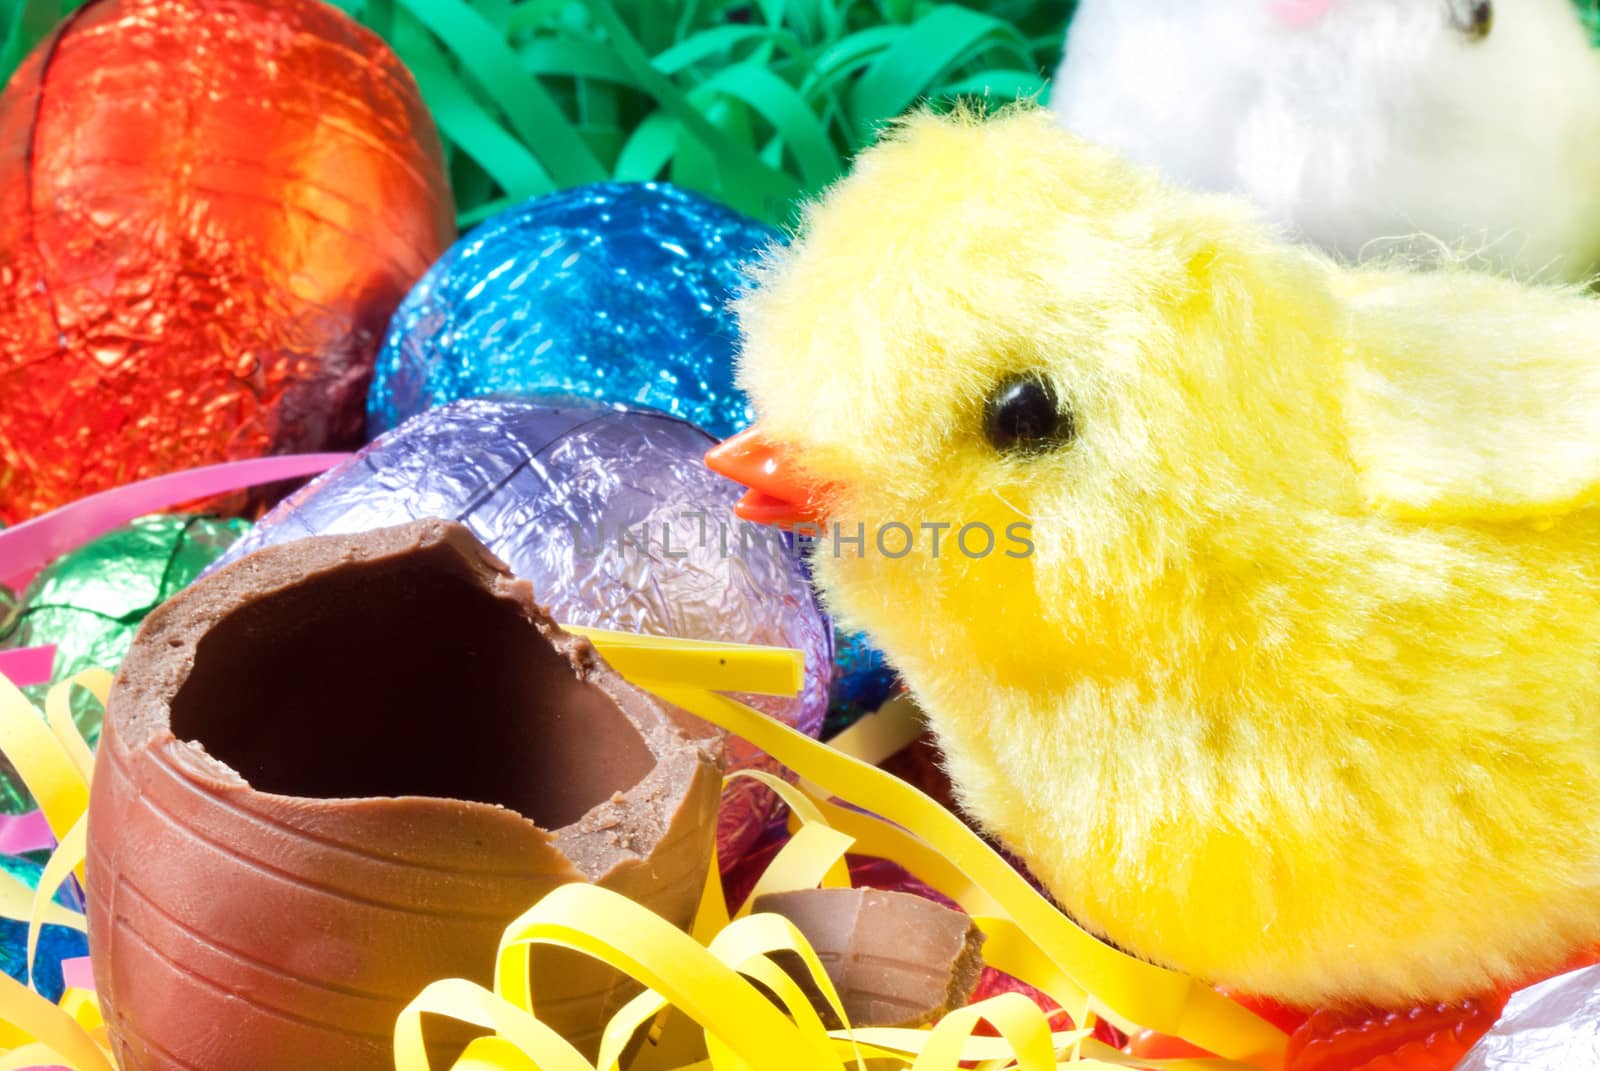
617	291
613	516
1553	1024
208	211
310	803
89	603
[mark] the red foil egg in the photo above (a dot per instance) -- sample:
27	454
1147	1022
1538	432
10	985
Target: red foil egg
208	211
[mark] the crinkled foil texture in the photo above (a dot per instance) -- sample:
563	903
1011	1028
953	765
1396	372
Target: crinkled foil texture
208	211
56	943
616	292
613	517
1555	1024
863	680
89	604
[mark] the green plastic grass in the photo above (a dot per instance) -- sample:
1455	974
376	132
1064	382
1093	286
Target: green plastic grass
755	102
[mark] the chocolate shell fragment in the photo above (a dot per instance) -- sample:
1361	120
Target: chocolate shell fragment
895	958
334	771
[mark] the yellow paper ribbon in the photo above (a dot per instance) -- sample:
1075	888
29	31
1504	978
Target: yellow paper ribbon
47	766
1137	991
16	903
719	667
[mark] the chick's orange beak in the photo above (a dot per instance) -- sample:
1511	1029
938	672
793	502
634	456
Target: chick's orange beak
779	494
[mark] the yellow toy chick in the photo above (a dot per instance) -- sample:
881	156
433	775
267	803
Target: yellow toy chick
1290	677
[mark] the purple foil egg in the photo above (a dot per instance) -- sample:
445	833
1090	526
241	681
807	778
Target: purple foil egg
615	520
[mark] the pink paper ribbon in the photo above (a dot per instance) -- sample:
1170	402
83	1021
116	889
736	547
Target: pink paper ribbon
1298	13
77	973
31	545
24	833
25	666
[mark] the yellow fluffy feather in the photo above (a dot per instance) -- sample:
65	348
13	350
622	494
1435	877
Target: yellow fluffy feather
1299	690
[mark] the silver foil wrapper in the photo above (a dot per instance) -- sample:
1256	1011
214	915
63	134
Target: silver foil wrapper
1552	1026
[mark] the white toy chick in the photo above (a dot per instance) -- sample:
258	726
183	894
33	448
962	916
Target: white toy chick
1361	123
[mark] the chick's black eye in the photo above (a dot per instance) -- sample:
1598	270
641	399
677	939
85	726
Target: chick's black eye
1475	18
1024	416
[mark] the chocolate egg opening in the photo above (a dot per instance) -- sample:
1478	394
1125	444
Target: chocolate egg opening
334	771
352	674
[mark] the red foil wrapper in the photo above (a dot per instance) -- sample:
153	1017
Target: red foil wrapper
208	211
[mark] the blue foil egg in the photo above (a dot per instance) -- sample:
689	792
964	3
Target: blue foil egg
863	680
615	292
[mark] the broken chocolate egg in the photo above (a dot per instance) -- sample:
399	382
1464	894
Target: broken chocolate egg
895	958
334	771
